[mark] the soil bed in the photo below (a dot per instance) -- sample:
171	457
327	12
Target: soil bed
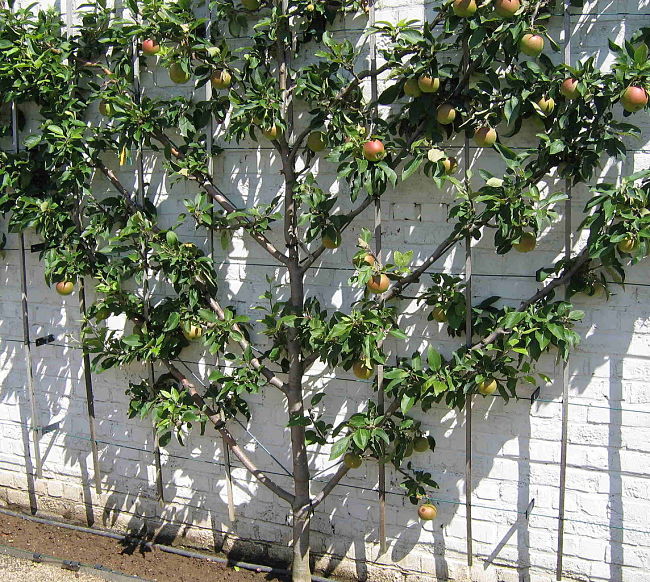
122	556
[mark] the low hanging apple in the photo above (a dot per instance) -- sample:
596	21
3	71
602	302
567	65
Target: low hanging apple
317	141
439	314
332	239
106	109
411	88
488	387
427	511
64	287
192	332
634	98
352	461
374	150
531	44
272	132
378	284
628	245
547	105
506	8
178	75
421	444
150	47
527	243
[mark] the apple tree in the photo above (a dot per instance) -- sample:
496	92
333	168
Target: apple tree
281	75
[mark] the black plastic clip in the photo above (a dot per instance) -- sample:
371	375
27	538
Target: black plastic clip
535	395
41	341
37	557
39	247
50	428
70	565
530	508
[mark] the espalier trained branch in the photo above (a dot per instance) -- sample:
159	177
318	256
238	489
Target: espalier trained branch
488	70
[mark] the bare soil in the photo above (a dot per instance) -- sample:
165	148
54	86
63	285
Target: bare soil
120	555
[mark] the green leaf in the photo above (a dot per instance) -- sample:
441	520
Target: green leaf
339	448
361	438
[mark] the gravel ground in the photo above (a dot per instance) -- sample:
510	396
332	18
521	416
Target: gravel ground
14	569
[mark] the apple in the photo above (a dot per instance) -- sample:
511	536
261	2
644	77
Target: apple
352	461
628	245
428	84
250	4
531	44
64	287
488	387
450	165
378	284
362	371
464	8
331	239
411	88
569	88
178	75
527	242
420	444
192	332
317	141
506	8
547	105
446	114
271	133
634	98
485	137
427	511
439	314
221	79
106	109
150	47
374	150
368	259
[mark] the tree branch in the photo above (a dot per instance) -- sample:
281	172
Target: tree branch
220	425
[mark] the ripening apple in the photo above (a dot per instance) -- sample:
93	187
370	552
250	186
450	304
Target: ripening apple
569	88
421	444
250	4
178	75
411	88
488	387
367	259
317	141
427	512
527	242
446	114
485	137
352	461
64	287
450	165
429	84
531	44
464	8
221	79
150	47
374	150
192	332
378	284
332	239
628	245
634	98
439	314
271	133
506	8
106	109
547	105
362	371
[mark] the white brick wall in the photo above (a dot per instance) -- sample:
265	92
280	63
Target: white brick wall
516	446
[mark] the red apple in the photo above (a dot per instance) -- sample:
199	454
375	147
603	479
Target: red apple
64	287
506	8
150	47
634	98
429	84
221	79
485	137
531	44
569	88
464	8
374	150
446	114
